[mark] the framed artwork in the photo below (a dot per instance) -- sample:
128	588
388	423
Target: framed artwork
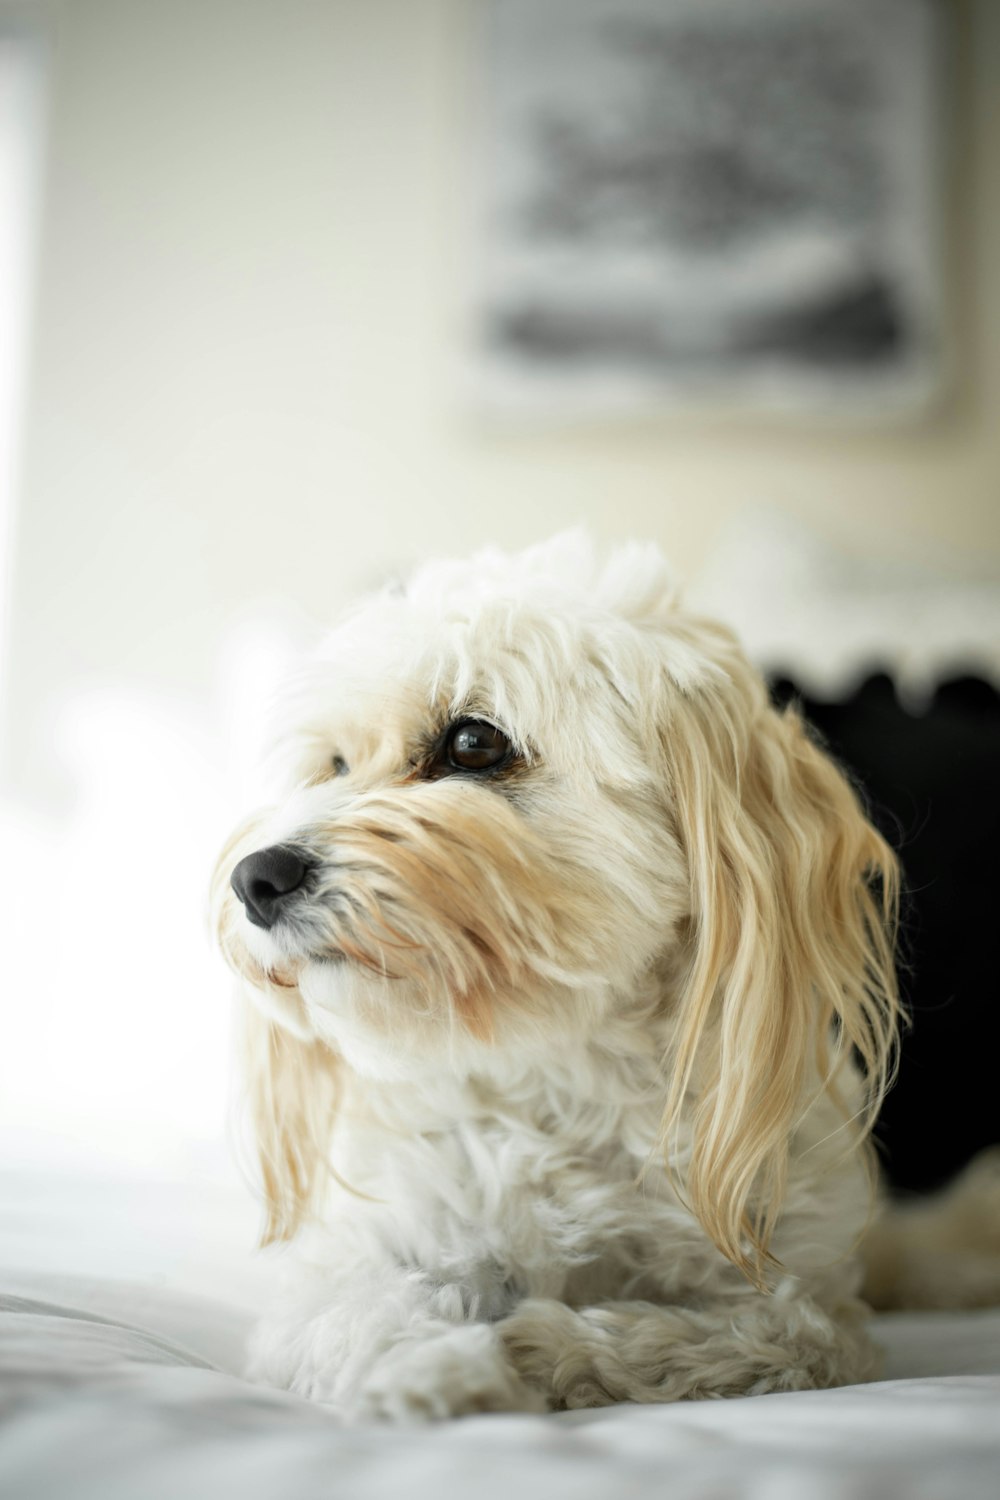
709	201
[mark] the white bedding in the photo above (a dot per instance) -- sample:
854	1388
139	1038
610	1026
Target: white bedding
123	1308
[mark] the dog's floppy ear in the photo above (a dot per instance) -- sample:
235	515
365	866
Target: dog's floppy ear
791	969
292	1092
290	1076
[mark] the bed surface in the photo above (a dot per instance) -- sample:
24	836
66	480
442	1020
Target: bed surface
123	1309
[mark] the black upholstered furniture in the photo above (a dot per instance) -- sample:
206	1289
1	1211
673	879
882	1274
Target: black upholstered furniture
932	780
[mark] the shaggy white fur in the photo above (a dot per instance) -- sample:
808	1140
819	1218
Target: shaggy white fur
561	945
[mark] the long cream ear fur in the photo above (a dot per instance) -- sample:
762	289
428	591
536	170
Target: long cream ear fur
795	898
292	1091
291	1078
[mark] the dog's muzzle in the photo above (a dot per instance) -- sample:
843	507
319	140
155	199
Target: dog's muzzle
266	880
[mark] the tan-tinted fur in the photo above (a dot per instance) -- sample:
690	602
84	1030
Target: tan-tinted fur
795	895
292	1088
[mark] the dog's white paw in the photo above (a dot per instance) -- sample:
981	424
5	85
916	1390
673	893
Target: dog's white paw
450	1374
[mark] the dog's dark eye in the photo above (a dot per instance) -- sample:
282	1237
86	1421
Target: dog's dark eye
474	745
339	766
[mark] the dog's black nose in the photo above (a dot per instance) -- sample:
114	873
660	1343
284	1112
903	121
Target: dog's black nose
264	880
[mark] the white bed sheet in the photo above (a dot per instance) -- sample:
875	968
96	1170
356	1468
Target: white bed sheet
123	1308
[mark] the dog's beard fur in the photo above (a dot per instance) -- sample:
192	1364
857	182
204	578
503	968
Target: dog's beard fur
666	867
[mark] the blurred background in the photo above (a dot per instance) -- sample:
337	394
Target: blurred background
280	315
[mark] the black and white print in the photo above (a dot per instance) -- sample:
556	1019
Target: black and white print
710	199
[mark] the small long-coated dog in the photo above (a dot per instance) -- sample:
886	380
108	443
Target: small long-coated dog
572	1004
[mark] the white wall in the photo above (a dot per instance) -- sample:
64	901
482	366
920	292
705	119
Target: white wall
22	73
242	377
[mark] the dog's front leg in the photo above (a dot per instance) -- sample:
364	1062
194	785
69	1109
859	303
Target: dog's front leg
387	1341
640	1351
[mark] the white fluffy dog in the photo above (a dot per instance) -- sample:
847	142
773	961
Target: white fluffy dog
571	964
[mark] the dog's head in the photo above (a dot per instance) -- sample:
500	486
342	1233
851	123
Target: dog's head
520	798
